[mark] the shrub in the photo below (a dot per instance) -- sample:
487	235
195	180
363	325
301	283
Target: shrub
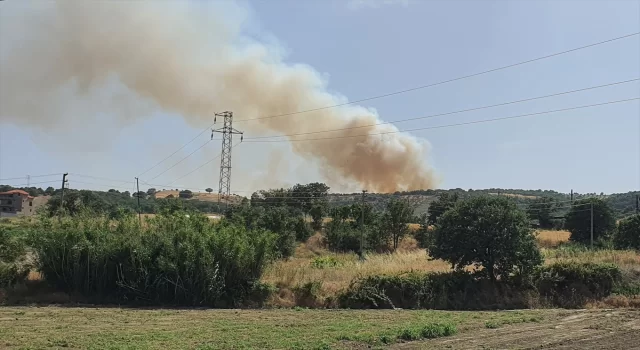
323	262
174	259
13	268
342	237
578	220
490	232
458	290
570	284
628	233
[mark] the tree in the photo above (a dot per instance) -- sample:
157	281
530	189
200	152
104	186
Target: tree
628	233
578	220
126	194
151	192
488	232
396	220
49	191
541	209
185	194
209	190
444	202
141	194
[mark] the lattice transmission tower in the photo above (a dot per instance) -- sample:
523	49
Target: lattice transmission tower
227	131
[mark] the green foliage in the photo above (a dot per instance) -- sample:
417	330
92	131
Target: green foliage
324	262
287	223
578	220
445	202
173	259
396	219
209	190
627	235
185	194
424	235
486	231
13	267
570	284
342	236
457	290
541	209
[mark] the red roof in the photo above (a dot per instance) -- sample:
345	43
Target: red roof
20	192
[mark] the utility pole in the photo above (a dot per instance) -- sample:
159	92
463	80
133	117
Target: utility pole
571	196
227	131
362	227
138	195
591	224
64	183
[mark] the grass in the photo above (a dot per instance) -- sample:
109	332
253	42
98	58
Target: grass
312	263
552	238
109	328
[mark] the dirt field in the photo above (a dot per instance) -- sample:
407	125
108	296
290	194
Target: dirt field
592	329
115	328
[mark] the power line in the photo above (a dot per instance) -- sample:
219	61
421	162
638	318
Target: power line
454	112
99	178
448	125
200	167
34	183
32	176
178	150
445	81
96	184
181	160
401	91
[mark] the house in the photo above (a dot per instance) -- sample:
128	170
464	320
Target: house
16	203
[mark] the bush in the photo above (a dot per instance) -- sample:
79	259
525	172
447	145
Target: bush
457	290
578	220
628	233
342	237
173	259
570	284
490	232
323	262
13	267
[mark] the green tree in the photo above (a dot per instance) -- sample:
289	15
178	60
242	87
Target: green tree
209	190
542	209
49	191
578	220
185	194
444	202
628	233
151	192
396	219
488	232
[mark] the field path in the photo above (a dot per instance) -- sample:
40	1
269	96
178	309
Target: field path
583	329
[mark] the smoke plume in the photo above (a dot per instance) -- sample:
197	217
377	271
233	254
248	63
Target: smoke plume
191	59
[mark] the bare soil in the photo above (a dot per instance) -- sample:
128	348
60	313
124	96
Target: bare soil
583	329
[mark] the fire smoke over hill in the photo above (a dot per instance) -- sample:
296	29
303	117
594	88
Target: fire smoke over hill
190	59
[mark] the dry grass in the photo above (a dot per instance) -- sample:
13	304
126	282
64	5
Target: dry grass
552	238
287	275
295	272
201	196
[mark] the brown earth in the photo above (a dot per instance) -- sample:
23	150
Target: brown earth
584	329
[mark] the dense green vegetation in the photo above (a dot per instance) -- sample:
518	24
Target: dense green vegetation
94	247
315	200
487	232
173	259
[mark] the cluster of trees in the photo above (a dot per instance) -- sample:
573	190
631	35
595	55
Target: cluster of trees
359	227
311	199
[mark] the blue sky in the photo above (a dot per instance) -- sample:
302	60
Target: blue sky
368	48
